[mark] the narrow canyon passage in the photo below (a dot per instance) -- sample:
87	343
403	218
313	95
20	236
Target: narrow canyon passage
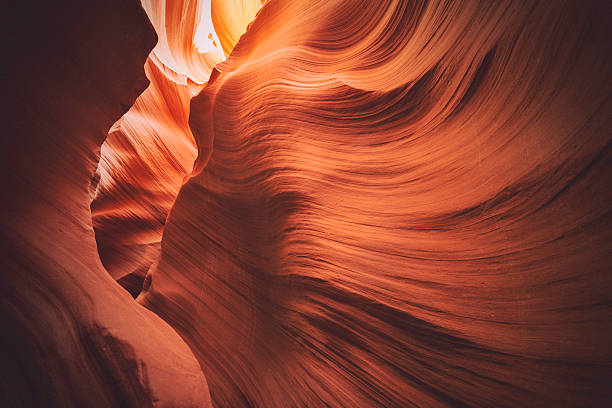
151	149
245	203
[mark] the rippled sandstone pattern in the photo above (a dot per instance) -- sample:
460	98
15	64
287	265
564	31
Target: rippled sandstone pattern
150	149
400	204
393	204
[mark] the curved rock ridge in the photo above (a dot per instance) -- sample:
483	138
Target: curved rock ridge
70	336
195	35
400	203
184	28
151	149
142	164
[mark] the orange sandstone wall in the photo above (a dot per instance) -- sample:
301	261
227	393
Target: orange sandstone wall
400	203
369	204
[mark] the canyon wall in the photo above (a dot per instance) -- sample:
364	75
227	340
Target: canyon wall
354	204
70	335
400	203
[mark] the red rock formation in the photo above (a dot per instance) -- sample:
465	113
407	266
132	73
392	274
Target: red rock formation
151	149
143	162
394	203
71	337
400	204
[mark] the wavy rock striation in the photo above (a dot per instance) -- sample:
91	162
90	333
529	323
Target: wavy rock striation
151	149
400	203
142	165
393	204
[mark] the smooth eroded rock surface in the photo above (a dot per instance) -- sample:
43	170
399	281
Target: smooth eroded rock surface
400	203
71	336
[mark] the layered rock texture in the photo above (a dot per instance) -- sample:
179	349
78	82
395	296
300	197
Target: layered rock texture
151	149
338	204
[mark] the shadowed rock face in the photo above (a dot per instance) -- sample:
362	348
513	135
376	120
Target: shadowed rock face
400	204
393	204
71	337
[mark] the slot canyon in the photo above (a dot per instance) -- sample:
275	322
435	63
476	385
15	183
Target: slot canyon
306	203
